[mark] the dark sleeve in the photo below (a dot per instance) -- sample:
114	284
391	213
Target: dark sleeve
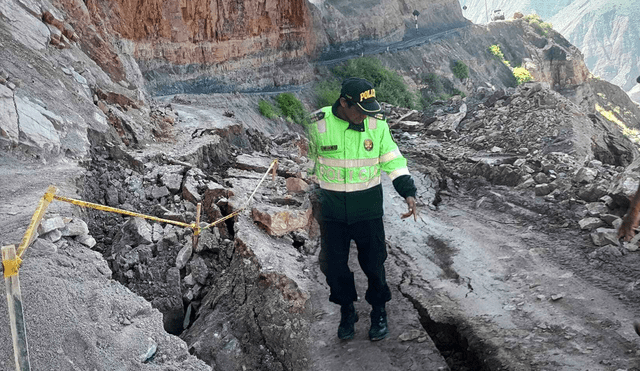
405	186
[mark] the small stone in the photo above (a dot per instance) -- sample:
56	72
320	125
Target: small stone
586	175
411	335
541	178
44	246
296	185
75	227
151	351
604	236
630	246
542	189
86	240
557	297
184	255
591	223
53	236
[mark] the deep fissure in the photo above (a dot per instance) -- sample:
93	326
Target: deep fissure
460	353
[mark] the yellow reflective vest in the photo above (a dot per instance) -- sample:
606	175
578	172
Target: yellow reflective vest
349	160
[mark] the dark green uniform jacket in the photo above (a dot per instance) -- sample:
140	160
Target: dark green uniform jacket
349	159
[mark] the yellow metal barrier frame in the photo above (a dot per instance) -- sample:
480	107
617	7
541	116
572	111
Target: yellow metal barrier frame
11	266
12	258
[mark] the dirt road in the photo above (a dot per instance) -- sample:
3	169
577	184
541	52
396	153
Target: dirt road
496	285
522	293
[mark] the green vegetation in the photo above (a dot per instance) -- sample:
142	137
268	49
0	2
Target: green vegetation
495	50
460	70
536	22
389	85
267	110
522	75
327	92
291	108
632	134
436	88
288	106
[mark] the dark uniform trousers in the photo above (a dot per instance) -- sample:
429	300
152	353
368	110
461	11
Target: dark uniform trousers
372	252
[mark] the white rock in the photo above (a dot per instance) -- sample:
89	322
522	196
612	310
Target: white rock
86	240
8	116
48	225
591	223
75	227
25	28
36	129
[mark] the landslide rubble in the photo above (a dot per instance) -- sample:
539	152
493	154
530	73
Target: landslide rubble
238	298
535	155
79	318
533	140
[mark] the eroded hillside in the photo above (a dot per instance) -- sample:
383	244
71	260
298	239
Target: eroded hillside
513	264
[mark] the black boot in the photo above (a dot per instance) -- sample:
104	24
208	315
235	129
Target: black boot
379	329
348	318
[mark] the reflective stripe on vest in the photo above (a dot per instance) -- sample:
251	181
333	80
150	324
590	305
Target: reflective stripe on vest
396	173
373	123
390	156
354	175
336	162
349	187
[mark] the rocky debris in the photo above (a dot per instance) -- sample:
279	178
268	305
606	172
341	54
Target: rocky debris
296	185
54	228
591	223
94	307
277	221
64	32
537	142
195	285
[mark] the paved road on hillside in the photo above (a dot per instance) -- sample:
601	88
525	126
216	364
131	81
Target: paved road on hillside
326	59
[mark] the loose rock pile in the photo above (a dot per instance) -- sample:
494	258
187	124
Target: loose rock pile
75	311
220	296
553	158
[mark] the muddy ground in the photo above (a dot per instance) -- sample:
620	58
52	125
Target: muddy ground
495	283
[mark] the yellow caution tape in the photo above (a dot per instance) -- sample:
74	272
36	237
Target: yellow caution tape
11	266
246	203
120	211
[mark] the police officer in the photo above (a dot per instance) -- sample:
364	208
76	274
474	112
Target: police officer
351	143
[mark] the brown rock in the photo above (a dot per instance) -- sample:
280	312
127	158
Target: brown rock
49	18
190	190
55	35
296	185
116	98
69	32
214	193
278	222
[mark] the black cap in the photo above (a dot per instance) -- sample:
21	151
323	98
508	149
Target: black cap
362	93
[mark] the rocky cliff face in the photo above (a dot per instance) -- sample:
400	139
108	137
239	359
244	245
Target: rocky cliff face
201	39
604	31
384	21
200	46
